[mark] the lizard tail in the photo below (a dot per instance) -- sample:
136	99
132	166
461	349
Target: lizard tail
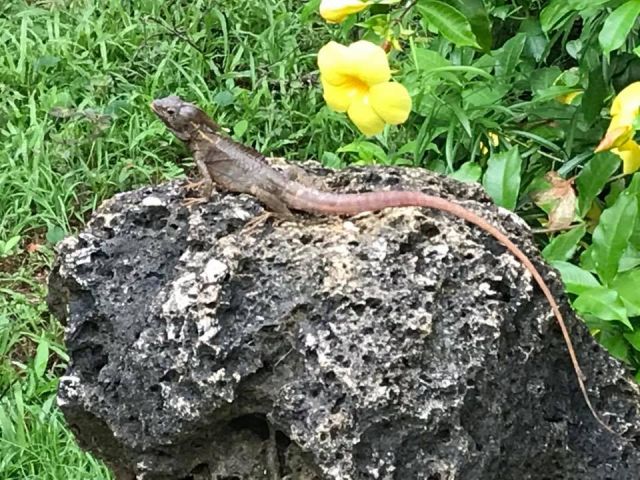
351	204
459	211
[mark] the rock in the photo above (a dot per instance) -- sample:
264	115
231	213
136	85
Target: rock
404	344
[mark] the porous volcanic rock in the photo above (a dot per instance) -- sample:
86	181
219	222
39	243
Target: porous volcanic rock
405	344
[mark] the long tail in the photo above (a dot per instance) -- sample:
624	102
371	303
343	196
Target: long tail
353	203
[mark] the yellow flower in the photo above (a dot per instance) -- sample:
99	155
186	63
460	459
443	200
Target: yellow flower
355	79
630	155
335	11
619	136
568	98
494	139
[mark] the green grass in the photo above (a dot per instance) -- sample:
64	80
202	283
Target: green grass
76	78
34	441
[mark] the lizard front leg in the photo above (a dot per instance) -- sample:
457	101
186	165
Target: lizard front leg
204	187
207	188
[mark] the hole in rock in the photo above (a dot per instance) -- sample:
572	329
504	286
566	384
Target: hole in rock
254	422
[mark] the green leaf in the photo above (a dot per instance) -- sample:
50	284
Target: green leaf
554	13
616	187
119	107
310	8
42	357
332	160
593	178
476	13
634	186
468	172
9	245
6	426
45	61
634	339
630	258
508	57
594	96
611	236
368	152
427	60
587	4
19	420
617	26
576	280
502	178
586	259
449	21
224	98
563	246
628	287
615	344
603	303
489	95
55	234
558	10
537	42
240	128
462	117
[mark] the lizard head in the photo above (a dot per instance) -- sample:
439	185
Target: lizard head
184	119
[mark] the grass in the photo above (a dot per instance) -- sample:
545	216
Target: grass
76	78
35	443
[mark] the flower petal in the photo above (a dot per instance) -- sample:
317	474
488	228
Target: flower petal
334	63
368	62
627	102
630	155
391	101
339	97
364	117
336	11
616	136
568	98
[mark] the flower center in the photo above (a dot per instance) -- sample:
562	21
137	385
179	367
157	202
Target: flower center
357	88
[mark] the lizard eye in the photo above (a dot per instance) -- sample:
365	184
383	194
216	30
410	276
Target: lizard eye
171	111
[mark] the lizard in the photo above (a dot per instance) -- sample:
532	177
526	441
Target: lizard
241	169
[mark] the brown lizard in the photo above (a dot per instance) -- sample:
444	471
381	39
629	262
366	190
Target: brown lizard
238	168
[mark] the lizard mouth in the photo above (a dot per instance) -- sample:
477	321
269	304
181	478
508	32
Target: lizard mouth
153	106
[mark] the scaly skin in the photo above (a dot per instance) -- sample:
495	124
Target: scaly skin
240	169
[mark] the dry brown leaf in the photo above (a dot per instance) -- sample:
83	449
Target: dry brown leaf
559	201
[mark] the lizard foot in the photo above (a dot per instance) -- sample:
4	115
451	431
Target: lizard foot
194	185
192	201
203	188
262	219
257	221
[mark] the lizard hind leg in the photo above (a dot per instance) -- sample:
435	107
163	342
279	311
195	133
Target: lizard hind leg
276	206
272	202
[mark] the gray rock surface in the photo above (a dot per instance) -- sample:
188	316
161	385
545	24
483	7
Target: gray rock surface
400	345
